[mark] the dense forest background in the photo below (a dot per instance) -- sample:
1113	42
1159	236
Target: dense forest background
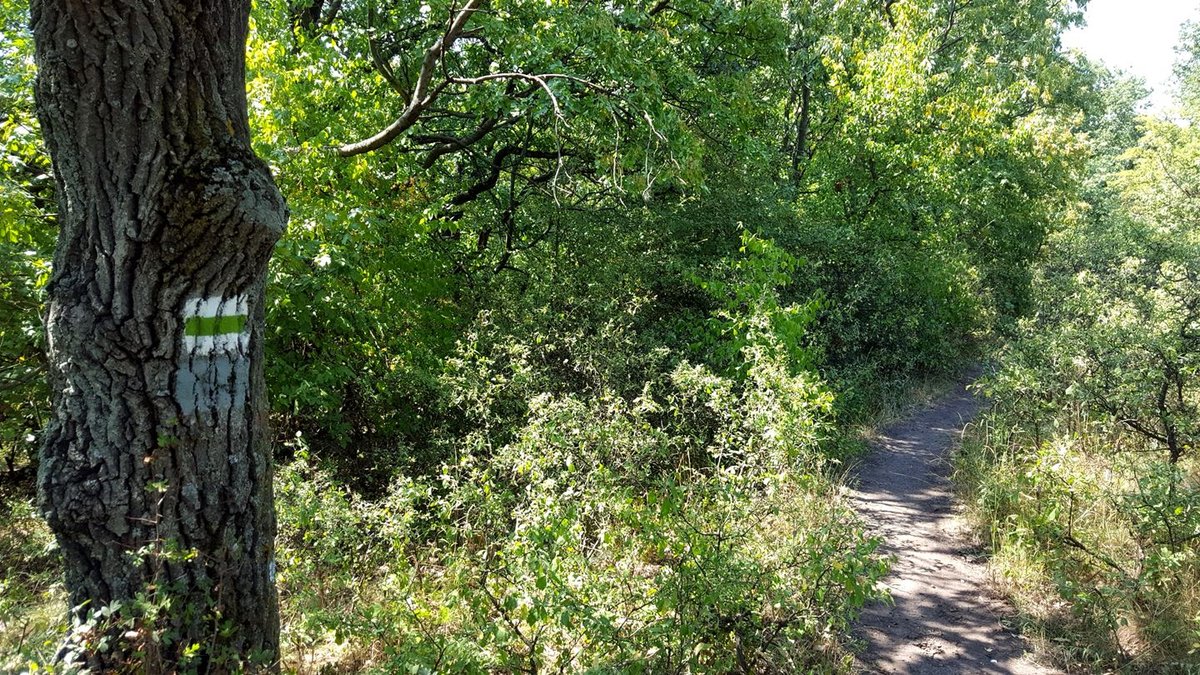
566	369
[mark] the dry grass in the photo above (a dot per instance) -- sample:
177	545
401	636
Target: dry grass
901	400
33	606
1087	584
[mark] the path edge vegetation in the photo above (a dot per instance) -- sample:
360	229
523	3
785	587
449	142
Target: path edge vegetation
1082	476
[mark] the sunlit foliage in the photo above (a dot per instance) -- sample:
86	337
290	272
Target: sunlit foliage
1085	473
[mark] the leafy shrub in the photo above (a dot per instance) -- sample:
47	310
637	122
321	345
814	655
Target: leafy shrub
643	514
26	240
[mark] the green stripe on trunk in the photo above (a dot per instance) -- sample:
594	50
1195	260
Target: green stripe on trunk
204	326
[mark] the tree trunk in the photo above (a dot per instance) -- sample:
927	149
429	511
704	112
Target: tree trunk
156	472
800	149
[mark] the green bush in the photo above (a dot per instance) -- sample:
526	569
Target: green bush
644	514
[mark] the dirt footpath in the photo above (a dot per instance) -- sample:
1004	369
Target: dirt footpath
945	619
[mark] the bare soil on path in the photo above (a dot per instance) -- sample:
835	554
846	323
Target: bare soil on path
945	618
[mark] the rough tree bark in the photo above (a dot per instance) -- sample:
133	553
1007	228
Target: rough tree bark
156	473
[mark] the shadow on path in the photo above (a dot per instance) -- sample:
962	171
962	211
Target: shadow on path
945	619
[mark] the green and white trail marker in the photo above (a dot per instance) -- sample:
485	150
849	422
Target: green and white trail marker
214	364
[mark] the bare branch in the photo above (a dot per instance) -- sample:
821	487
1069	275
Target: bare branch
377	57
497	168
446	144
423	95
539	80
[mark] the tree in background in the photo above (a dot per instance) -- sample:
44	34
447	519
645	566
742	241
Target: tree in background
1116	327
1187	71
155	472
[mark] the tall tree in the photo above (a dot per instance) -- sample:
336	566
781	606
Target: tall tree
155	472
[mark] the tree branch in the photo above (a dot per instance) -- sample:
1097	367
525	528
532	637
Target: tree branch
422	96
497	167
539	80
